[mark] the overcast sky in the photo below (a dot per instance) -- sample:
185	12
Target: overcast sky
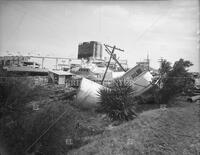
167	28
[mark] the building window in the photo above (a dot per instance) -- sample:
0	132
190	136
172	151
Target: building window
135	74
139	71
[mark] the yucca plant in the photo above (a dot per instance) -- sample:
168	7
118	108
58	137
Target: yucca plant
117	101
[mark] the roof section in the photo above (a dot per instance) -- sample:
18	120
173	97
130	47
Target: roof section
61	72
25	69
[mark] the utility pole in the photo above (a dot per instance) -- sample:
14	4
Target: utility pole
108	65
148	61
198	32
56	63
161	76
111	56
109	52
43	62
161	61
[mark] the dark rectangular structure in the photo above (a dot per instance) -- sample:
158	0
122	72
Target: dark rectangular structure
90	49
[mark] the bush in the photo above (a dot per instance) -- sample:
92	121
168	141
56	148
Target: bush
117	101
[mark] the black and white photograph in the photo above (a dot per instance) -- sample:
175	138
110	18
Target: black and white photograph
104	77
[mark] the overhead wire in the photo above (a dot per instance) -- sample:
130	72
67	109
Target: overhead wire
37	139
153	23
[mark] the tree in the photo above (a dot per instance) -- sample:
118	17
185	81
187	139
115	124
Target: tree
165	67
117	101
177	80
164	70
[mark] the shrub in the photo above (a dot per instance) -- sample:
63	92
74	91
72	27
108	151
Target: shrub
117	101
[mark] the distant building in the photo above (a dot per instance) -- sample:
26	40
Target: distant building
90	49
20	65
59	76
18	61
13	60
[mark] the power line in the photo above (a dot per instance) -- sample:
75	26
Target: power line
42	18
30	146
154	22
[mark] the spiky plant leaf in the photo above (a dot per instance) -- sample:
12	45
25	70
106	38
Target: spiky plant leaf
117	101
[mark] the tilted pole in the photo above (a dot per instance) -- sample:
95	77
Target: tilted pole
108	65
115	47
107	50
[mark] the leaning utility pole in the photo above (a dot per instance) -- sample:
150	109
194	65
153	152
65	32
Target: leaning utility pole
160	75
111	56
160	61
109	52
148	61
